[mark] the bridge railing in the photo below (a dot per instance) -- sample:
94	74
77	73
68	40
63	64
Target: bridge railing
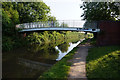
58	23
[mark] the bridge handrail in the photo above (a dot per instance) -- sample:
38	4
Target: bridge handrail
60	23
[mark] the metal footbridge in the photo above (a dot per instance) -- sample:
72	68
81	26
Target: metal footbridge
54	26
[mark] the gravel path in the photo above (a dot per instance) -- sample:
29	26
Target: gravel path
78	70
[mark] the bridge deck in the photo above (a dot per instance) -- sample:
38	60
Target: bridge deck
58	29
51	29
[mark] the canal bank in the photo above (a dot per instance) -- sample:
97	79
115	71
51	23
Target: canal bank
87	62
103	63
95	62
61	69
71	65
33	60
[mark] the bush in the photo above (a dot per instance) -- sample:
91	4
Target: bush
7	43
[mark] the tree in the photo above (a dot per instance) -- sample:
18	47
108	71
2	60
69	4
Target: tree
52	18
64	25
33	11
96	11
53	21
8	8
100	11
10	18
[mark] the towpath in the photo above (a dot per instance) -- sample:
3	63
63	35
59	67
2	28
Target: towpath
78	68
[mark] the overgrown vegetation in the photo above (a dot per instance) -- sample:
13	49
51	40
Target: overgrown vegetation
103	62
20	12
60	69
89	38
53	36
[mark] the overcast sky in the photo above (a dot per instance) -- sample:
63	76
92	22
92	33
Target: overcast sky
65	9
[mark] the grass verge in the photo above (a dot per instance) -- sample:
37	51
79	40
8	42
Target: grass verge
60	69
103	62
92	41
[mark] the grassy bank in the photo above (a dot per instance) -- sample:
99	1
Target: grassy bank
60	69
103	62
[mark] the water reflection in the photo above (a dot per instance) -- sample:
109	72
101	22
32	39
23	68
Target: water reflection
45	51
32	61
51	52
32	64
62	54
63	47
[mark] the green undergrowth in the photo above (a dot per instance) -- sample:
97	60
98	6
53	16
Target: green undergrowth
54	36
103	62
92	41
60	69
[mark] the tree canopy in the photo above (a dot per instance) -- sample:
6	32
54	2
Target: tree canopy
64	25
101	11
52	18
28	11
32	11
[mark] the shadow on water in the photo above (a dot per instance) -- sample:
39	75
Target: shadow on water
32	61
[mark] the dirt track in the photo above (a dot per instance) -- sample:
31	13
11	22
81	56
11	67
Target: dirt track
78	70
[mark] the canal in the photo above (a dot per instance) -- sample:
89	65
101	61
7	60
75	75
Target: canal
33	60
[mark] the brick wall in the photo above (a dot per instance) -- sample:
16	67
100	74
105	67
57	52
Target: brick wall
110	33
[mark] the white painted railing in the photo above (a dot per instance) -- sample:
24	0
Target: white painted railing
62	25
59	23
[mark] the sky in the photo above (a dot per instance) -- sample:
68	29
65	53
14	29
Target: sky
65	9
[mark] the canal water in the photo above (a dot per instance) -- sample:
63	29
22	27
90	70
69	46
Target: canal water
32	61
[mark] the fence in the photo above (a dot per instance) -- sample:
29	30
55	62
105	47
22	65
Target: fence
109	34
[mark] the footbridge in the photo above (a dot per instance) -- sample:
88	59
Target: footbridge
54	26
